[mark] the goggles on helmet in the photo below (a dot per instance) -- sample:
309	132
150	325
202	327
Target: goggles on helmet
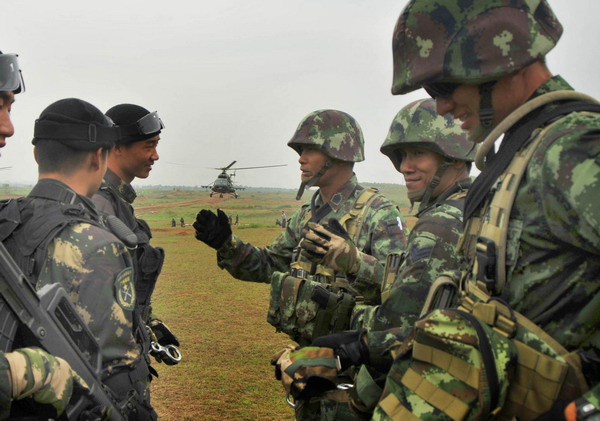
11	79
150	123
441	89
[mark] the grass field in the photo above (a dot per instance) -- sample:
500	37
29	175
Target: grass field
226	342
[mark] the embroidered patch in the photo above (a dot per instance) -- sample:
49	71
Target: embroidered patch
124	289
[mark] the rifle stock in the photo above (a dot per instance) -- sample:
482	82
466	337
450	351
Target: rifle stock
53	320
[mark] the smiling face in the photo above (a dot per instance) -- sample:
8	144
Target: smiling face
509	92
6	127
135	159
418	167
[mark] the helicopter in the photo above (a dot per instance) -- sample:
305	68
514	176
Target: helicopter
224	183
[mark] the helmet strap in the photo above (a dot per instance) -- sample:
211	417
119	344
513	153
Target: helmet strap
315	179
435	181
486	112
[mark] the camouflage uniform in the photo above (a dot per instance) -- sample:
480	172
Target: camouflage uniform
552	266
95	269
338	135
432	241
115	197
380	236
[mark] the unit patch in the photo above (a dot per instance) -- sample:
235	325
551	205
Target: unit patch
124	289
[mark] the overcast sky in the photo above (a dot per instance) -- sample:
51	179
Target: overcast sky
232	79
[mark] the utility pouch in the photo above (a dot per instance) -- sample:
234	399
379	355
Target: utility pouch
456	367
305	309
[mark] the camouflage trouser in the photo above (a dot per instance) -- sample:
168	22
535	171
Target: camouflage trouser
332	405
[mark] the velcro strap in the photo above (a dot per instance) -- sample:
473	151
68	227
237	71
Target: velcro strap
328	362
542	373
394	409
289	292
457	367
432	394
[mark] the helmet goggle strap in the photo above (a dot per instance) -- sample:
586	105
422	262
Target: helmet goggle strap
11	78
315	179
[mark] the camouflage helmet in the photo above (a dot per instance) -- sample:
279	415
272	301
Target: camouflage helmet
469	42
419	125
336	133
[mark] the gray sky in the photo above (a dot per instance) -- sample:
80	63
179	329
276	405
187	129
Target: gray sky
232	79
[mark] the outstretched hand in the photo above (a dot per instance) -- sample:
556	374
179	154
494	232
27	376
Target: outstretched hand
213	230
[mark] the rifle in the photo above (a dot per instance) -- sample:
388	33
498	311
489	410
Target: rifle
52	319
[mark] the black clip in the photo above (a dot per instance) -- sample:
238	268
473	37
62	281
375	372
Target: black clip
486	260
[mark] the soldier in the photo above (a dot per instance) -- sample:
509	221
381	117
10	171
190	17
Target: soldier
54	379
434	156
329	142
133	156
56	234
283	219
531	239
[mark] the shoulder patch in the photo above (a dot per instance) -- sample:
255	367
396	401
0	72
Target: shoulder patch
124	289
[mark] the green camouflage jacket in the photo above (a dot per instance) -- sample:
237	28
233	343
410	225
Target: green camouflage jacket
95	269
431	250
553	247
383	232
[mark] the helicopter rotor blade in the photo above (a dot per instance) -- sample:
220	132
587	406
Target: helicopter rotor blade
262	166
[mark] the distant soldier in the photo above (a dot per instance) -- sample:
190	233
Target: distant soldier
133	157
530	286
173	223
283	219
434	156
56	234
182	222
237	219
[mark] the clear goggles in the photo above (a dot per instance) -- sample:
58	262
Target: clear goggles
11	79
150	123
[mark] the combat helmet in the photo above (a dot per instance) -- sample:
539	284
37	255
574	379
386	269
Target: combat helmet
336	133
469	42
419	125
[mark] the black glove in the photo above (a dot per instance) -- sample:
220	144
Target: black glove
348	346
213	230
163	334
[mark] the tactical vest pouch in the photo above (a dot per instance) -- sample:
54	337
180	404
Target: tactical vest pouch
454	368
305	309
545	371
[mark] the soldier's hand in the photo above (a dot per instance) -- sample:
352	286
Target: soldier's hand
349	346
45	377
213	230
163	334
330	246
306	372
